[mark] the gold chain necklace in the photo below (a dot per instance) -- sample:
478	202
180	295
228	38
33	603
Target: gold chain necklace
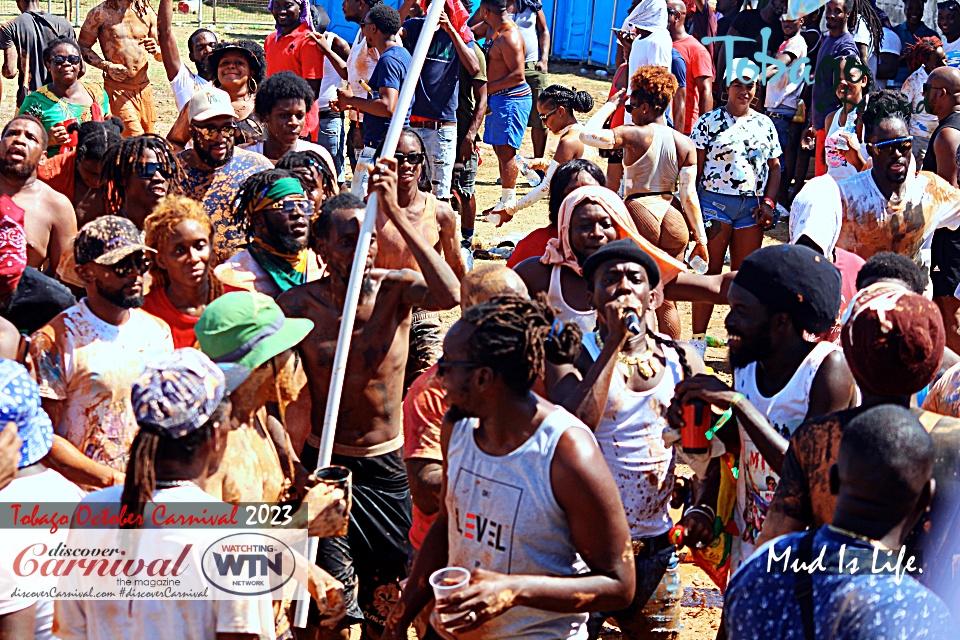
646	364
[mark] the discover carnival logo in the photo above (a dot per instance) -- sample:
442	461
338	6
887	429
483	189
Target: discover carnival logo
248	564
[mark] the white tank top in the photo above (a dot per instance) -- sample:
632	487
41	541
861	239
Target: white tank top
630	435
586	320
503	516
526	21
330	82
837	166
785	410
360	65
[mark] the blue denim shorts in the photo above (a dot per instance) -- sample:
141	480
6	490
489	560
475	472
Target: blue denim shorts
736	211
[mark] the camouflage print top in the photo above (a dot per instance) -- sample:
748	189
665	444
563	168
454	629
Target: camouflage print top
216	190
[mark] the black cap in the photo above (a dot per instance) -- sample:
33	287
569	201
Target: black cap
796	280
625	250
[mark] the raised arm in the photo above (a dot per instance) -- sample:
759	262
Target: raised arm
335	49
167	40
440	288
464	49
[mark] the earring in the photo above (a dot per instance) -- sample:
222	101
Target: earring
253	87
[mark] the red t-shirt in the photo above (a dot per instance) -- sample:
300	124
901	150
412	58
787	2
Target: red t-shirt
158	305
297	52
532	246
699	64
59	172
423	409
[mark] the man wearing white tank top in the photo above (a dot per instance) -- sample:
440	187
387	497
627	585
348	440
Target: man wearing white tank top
529	507
621	386
780	379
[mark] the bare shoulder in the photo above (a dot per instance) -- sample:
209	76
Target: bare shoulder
534	274
684	144
446	216
95	17
301	301
55	200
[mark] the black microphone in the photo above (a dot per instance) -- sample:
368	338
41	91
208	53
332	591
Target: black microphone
633	322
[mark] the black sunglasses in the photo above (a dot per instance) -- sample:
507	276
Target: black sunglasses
414	157
60	59
209	131
443	366
125	267
146	170
903	145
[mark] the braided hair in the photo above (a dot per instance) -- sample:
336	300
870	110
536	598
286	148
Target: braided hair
250	192
150	447
424	184
94	139
884	105
516	337
561	96
665	342
312	162
120	160
919	52
867	11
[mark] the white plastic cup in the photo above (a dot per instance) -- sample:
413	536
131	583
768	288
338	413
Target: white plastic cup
446	582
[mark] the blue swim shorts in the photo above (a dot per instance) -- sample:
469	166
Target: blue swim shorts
507	120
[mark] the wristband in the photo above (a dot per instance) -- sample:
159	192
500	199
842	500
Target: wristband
725	416
770	202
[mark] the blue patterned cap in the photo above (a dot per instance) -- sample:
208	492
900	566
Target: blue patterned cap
178	392
20	403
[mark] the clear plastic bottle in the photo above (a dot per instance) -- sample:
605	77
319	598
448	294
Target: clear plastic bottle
528	172
698	264
663	607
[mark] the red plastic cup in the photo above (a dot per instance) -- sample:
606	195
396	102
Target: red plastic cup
696	423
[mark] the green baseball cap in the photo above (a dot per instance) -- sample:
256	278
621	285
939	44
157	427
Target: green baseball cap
247	329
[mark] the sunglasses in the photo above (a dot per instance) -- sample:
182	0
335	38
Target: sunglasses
125	267
544	116
289	207
60	59
927	88
443	366
210	132
903	145
414	157
146	170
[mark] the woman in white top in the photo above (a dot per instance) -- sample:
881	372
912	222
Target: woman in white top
925	55
656	159
844	129
556	107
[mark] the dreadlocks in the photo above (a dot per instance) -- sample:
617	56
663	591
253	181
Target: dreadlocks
516	337
867	11
122	159
150	448
919	52
159	226
250	192
308	162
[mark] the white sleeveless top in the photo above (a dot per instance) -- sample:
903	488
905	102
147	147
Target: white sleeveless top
630	435
330	82
837	166
586	320
785	410
526	22
503	516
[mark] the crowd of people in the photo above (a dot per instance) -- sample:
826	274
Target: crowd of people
170	306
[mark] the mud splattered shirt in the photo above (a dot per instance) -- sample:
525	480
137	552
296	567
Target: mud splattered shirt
804	490
738	150
872	224
944	396
216	191
855	604
630	435
89	365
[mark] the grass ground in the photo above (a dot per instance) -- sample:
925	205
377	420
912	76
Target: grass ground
702	601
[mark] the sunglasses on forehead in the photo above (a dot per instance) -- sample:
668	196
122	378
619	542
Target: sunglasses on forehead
288	207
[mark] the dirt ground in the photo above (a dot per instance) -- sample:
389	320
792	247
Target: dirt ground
702	601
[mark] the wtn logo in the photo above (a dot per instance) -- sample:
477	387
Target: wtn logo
257	564
249	564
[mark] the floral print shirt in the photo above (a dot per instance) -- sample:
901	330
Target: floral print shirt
216	191
738	150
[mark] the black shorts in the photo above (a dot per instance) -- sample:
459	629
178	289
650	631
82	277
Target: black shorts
945	262
375	549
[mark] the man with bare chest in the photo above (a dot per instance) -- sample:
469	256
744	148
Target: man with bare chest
127	33
508	94
368	438
49	222
436	222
